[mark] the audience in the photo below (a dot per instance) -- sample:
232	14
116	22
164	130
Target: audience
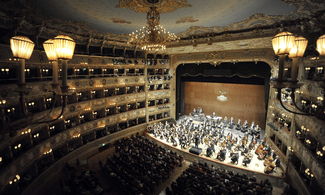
201	179
139	165
79	181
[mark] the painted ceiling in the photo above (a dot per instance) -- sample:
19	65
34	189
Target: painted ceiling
106	16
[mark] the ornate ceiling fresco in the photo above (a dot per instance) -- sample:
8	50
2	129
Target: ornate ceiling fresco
102	22
177	16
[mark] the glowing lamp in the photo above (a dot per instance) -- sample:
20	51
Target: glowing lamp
50	49
64	47
299	47
297	51
321	45
21	47
282	43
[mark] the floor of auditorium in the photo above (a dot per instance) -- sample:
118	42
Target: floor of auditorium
93	164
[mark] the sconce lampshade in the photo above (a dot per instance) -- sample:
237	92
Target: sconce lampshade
321	45
21	47
50	50
282	43
64	47
298	48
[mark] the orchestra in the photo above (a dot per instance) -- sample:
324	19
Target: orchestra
218	136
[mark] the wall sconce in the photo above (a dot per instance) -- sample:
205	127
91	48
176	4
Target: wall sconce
48	152
76	135
26	131
64	47
52	57
36	136
15	179
17	147
286	44
308	141
60	48
319	153
22	48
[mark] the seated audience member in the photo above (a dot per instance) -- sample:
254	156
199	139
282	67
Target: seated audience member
202	179
140	165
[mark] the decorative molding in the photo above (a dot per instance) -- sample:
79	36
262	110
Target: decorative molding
217	57
188	19
256	20
163	6
223	45
27	158
308	16
120	21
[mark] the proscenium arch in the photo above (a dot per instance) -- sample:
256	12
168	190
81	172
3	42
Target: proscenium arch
265	55
256	73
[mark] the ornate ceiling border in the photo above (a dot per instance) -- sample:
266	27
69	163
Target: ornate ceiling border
304	9
309	16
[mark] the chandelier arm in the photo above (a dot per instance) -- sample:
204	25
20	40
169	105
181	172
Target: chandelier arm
293	112
52	105
296	105
61	113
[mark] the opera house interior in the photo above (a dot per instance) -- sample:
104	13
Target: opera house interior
162	97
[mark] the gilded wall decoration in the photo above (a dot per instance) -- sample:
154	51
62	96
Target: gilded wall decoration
266	55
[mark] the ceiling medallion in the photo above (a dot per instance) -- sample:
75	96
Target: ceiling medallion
162	6
152	37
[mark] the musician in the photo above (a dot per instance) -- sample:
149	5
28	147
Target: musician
231	123
173	141
247	159
260	152
269	164
234	156
187	132
209	151
238	125
197	141
277	161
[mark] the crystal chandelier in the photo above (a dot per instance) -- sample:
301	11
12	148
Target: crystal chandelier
153	37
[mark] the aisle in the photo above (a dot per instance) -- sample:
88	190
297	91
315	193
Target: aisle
177	172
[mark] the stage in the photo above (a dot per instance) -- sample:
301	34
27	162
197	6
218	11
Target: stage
255	164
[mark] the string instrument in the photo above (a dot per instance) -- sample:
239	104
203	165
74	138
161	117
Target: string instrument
260	151
244	141
251	145
223	144
269	164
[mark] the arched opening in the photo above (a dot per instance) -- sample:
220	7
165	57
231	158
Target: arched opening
238	90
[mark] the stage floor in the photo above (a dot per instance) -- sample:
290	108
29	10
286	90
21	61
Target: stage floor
255	165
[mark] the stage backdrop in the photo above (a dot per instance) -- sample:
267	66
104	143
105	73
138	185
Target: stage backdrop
242	101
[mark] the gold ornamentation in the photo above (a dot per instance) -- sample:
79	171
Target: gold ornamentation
143	6
188	19
152	37
120	21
